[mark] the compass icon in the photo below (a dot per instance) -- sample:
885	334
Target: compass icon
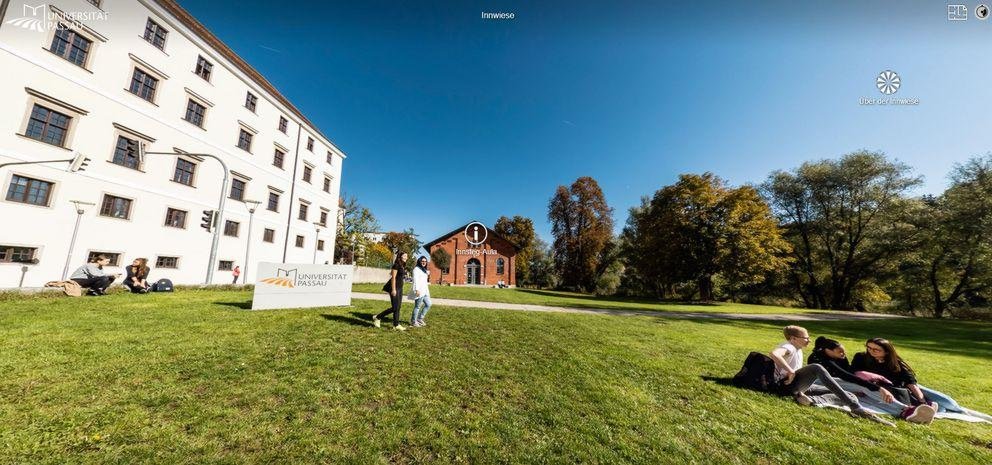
888	82
982	11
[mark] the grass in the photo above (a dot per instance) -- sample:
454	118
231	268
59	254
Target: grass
193	377
578	300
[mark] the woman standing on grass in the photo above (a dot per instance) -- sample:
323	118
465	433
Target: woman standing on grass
421	293
395	289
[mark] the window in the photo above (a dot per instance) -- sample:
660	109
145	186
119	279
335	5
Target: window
115	258
269	235
115	207
203	68
195	112
278	158
225	265
327	184
95	3
283	124
237	189
244	140
310	144
231	228
299	241
14	254
29	190
167	262
320	244
251	101
184	172
155	34
48	126
70	45
175	218
330	158
307	173
499	266
323	217
143	85
303	211
273	202
126	153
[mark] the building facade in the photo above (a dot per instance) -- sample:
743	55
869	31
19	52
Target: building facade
99	78
479	257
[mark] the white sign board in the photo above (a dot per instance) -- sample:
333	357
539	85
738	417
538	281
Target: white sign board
295	285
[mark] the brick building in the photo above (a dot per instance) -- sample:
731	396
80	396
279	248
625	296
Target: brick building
479	256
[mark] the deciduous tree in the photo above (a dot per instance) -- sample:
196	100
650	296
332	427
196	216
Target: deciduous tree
582	224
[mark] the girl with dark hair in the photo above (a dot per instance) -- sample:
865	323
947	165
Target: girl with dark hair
831	355
137	275
881	358
394	287
421	293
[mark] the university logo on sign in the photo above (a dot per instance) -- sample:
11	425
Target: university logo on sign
284	278
293	285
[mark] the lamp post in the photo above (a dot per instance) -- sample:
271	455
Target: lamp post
75	230
251	205
316	240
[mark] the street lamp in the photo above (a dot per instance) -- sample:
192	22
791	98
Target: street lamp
251	205
75	230
316	240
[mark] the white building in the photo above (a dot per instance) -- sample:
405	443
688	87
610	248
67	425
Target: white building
98	78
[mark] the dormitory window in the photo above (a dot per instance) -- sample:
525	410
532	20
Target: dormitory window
278	157
231	228
310	144
70	45
307	173
251	101
143	85
167	262
244	140
237	189
273	202
283	124
184	172
29	190
126	153
203	68
155	34
320	244
500	265
327	184
269	235
115	258
14	254
175	218
299	241
225	265
48	126
115	207
195	112
303	211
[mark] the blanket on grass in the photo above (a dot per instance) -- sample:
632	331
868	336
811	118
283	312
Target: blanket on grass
871	400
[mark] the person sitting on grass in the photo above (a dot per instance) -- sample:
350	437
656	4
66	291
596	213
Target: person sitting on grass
137	275
793	379
92	277
831	355
880	358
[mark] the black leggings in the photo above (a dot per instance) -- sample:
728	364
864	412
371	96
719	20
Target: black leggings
396	301
809	374
98	284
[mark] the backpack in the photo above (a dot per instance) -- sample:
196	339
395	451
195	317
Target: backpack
758	373
162	285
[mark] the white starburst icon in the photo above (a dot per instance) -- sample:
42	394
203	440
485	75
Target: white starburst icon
888	82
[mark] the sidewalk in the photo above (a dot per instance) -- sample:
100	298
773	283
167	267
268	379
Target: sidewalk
832	316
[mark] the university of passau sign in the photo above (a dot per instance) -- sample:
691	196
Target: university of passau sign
291	285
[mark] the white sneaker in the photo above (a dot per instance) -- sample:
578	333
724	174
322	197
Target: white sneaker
802	399
399	328
922	414
375	322
422	323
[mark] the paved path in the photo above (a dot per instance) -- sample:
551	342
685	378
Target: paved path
831	316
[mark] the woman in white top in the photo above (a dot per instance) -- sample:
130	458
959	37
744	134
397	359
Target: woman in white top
420	293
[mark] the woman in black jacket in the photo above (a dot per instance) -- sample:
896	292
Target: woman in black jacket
137	276
880	357
395	289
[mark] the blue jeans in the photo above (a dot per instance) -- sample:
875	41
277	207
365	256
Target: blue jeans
424	303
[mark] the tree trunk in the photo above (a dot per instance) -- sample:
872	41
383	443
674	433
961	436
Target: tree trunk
705	288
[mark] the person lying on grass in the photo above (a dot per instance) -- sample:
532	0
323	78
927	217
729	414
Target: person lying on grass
831	355
792	378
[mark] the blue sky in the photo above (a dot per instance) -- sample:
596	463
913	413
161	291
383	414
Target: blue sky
447	117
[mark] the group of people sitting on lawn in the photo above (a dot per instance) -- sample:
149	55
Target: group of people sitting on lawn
877	377
95	280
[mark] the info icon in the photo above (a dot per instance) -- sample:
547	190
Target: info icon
982	11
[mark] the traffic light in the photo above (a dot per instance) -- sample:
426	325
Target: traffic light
209	220
79	163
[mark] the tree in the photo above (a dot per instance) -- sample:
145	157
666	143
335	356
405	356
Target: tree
542	266
520	231
442	260
351	233
405	241
379	256
847	221
582	224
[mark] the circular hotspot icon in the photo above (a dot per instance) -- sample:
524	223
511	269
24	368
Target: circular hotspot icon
888	82
982	11
476	233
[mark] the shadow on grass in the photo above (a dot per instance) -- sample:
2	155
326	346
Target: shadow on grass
241	305
600	299
351	320
721	380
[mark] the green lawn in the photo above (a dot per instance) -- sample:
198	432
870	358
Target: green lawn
577	300
193	377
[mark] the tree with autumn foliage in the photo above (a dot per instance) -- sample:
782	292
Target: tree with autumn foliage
520	231
582	225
